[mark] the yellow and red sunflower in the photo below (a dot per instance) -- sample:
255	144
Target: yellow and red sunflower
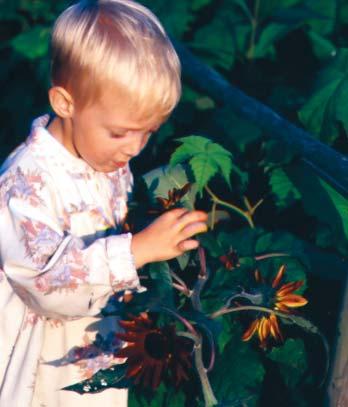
154	353
284	300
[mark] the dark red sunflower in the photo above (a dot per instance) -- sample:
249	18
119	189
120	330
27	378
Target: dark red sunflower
154	353
230	260
280	299
174	197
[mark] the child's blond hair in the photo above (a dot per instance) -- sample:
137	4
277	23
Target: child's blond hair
96	44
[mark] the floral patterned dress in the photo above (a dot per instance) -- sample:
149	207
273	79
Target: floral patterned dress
61	261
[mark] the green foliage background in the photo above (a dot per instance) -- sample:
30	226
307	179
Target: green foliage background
293	56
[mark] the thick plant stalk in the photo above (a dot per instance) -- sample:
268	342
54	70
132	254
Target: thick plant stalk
322	159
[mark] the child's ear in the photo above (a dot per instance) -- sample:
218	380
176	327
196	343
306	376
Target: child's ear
61	102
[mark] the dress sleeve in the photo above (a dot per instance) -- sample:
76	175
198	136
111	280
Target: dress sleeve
57	274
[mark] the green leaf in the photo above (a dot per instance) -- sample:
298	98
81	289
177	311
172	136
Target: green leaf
207	43
208	158
197	4
160	271
33	43
114	377
163	179
235	132
176	16
162	397
326	11
283	190
269	8
322	47
238	372
326	111
268	37
292	361
330	209
203	169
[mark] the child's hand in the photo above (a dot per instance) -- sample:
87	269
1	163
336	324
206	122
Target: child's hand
168	236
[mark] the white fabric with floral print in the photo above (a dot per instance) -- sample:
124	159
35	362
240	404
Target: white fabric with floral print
61	260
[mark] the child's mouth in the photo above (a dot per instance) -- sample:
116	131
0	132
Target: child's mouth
120	164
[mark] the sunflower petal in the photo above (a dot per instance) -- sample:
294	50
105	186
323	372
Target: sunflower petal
250	331
279	276
264	329
274	328
293	301
258	276
157	375
289	288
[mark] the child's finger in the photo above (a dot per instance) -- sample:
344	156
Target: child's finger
192	229
191	217
186	245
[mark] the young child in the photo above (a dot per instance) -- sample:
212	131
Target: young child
115	80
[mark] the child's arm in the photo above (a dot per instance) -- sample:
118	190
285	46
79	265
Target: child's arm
58	274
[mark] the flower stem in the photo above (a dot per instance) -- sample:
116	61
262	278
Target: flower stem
201	281
224	311
182	319
208	394
213	214
270	255
244	214
254	23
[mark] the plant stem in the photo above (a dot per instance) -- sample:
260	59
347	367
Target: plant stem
270	255
182	319
201	281
208	394
183	290
235	208
224	311
254	23
213	214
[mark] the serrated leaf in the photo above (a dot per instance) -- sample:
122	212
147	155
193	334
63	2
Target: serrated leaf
207	159
283	190
292	361
203	169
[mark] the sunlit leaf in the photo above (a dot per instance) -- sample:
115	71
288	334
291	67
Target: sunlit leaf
161	180
205	158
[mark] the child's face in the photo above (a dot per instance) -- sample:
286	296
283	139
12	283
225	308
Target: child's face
106	135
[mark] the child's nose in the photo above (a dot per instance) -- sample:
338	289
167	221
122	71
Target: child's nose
137	144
